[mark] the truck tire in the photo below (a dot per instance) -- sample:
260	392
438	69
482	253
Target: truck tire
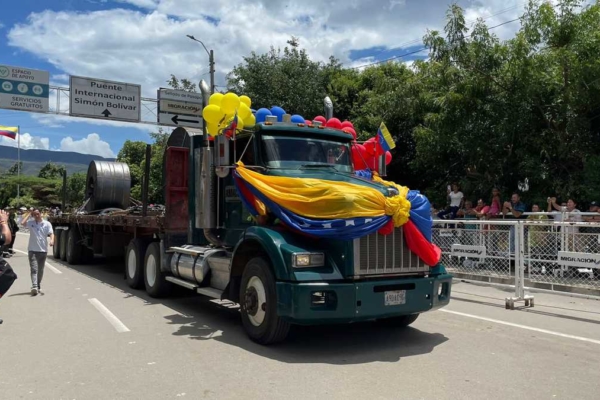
134	263
399	322
154	278
56	247
63	244
74	248
258	304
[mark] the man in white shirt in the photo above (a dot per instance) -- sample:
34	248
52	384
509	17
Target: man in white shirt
39	231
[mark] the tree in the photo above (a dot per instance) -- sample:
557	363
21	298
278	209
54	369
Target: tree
51	171
288	78
181	84
14	170
76	184
133	153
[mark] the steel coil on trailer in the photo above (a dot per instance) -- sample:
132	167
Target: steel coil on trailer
108	185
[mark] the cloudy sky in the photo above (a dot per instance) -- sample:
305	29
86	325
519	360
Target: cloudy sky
144	41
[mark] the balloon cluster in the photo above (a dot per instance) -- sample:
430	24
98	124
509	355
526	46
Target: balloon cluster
364	156
222	109
262	113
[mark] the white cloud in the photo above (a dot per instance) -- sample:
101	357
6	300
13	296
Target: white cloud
27	142
92	144
146	46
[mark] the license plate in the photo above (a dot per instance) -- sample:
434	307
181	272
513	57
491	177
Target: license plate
395	297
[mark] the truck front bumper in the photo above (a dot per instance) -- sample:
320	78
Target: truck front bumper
309	303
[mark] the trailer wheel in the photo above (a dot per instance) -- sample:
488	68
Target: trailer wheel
399	322
63	244
258	304
134	263
154	278
74	248
56	247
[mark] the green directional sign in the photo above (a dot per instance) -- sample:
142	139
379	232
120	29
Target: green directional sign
24	89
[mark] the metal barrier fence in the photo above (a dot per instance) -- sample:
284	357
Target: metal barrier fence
543	254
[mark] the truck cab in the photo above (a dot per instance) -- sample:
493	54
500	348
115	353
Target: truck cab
278	275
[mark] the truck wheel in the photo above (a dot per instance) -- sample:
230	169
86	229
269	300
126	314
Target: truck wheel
258	304
74	248
134	263
63	244
399	322
154	278
56	247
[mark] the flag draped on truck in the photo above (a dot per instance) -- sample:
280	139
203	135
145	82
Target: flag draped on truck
339	210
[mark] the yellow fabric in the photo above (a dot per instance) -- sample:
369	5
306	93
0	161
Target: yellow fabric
13	129
325	199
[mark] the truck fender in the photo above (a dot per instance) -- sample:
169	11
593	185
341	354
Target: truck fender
256	241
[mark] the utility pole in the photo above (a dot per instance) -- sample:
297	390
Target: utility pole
211	63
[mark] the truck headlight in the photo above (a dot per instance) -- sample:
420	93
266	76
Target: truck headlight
307	260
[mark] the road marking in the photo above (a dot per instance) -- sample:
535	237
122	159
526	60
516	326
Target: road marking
52	267
529	328
114	321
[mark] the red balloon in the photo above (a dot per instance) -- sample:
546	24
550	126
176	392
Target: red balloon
359	155
308	122
321	119
334	123
347	124
210	138
388	158
350	131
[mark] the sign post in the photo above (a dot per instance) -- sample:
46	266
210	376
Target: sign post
180	108
24	89
96	98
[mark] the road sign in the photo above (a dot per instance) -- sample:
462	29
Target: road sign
24	89
190	121
97	98
180	108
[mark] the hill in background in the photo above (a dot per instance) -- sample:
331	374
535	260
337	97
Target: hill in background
34	160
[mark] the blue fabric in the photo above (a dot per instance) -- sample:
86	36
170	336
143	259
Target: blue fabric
364	173
420	213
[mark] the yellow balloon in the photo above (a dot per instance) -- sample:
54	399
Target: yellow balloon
244	111
212	129
230	103
212	114
250	121
215	99
246	100
240	124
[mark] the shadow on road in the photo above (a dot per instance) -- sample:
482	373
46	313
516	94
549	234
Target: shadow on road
199	318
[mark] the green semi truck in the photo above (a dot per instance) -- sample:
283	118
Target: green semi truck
207	241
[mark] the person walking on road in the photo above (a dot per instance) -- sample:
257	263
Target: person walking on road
39	231
14	228
7	275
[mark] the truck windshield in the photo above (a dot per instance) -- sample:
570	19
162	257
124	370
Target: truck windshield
297	152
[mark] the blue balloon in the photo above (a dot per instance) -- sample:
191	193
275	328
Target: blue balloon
298	119
261	114
278	111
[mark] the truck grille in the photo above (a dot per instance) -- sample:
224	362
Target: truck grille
376	254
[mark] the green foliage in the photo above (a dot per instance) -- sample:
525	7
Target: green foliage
34	191
76	189
51	171
287	78
14	170
181	84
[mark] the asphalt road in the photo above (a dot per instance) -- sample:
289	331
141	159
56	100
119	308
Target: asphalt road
91	337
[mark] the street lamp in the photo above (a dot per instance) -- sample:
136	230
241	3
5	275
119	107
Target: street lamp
211	63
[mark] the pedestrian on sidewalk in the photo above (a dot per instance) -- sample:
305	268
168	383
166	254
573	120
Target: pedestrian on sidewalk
39	231
7	275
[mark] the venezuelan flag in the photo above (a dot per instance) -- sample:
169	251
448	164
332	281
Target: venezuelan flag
384	138
339	210
9	131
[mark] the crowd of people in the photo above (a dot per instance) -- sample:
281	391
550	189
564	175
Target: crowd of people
459	207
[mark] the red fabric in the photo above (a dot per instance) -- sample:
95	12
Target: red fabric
387	228
416	242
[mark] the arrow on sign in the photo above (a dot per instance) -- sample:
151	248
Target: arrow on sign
106	113
176	120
